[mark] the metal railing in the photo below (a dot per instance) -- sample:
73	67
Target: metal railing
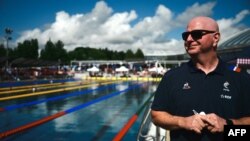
147	125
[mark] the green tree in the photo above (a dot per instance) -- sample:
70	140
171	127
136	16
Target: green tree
139	54
78	53
48	53
61	53
87	53
12	53
27	49
2	50
108	54
54	52
121	55
129	54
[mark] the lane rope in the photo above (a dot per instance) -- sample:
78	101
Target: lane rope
16	106
49	91
62	113
131	121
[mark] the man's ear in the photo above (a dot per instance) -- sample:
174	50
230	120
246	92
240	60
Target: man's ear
216	38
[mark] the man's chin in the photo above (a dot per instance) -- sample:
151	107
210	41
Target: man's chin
192	51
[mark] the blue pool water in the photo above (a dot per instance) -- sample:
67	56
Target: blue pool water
92	113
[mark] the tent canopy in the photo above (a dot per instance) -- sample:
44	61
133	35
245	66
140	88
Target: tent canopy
122	69
93	69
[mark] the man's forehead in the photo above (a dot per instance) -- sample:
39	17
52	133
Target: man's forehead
200	25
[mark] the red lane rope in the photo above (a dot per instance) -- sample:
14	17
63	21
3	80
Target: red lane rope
131	121
124	130
30	125
59	114
2	109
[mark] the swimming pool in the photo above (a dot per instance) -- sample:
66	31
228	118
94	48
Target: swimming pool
73	110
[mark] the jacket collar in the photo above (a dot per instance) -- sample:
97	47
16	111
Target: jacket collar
220	68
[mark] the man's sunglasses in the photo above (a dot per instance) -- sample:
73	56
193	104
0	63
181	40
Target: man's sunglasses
196	34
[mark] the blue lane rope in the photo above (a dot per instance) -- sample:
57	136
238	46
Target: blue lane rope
12	107
100	99
62	113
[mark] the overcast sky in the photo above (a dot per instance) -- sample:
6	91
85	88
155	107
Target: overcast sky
155	26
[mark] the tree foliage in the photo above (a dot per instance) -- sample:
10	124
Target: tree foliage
28	49
55	52
139	54
2	50
129	54
87	53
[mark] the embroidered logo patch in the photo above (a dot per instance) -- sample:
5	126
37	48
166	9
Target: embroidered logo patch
225	86
186	86
225	96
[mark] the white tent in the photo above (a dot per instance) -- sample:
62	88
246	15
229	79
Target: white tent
121	69
154	69
157	70
93	69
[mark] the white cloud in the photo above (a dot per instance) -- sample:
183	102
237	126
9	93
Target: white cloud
228	27
195	10
103	28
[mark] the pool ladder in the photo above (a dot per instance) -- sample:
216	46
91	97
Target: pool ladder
148	131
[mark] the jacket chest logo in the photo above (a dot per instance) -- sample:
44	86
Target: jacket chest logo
186	86
225	86
226	90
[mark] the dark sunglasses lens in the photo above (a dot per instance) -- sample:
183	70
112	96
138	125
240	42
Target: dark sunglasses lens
185	35
196	34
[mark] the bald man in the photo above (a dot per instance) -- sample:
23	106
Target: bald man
198	98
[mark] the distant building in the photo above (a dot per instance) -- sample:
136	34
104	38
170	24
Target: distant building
237	46
235	50
167	57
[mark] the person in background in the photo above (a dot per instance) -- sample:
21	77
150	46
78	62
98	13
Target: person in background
196	100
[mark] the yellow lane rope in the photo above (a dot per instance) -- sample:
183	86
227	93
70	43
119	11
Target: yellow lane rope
29	86
53	91
44	87
35	85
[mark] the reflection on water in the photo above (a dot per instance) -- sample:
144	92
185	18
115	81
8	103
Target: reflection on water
66	124
153	88
121	87
98	121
